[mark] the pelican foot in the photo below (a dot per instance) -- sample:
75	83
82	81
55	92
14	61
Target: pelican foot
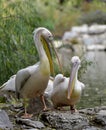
60	108
46	109
27	116
73	110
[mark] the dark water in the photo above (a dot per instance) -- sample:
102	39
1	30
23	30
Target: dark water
95	81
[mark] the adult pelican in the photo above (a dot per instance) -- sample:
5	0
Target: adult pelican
67	91
32	81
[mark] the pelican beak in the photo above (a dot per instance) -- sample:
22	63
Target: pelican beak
72	79
48	52
58	59
46	44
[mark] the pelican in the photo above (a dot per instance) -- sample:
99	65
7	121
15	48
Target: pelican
32	81
67	90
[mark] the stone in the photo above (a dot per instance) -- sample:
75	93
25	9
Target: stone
30	123
69	35
80	29
88	35
100	118
97	29
92	128
30	129
5	123
88	111
64	120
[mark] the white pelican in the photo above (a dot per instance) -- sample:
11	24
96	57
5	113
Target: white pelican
67	91
32	81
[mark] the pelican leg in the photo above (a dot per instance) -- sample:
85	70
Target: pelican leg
72	108
26	115
43	101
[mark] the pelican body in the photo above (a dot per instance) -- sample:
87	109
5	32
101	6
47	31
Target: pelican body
32	81
67	91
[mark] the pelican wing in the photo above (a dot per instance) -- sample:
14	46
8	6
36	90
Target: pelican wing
22	76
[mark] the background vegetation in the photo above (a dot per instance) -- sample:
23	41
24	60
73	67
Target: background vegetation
19	18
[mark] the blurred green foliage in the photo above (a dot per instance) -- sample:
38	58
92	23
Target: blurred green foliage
18	18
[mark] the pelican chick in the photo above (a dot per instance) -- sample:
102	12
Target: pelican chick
67	91
32	81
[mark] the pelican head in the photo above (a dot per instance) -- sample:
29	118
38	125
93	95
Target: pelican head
75	61
45	33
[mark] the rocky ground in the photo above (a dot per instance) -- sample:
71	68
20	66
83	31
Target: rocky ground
85	119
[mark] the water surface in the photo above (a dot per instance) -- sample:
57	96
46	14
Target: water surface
95	80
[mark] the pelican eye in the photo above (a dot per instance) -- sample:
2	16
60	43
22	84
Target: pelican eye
75	63
50	37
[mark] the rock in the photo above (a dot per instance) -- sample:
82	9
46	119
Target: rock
64	120
97	29
100	118
92	128
80	29
30	123
89	111
95	47
87	39
36	106
5	123
81	127
69	35
88	35
31	129
86	119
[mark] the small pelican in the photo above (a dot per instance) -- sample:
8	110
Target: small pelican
67	91
32	81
